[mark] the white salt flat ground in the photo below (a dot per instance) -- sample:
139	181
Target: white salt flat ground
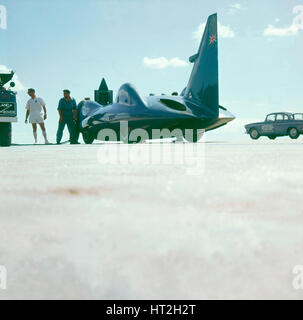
72	228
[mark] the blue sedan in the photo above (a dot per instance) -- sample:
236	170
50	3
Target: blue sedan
277	125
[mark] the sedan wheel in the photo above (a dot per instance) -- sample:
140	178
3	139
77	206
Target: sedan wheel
293	133
254	134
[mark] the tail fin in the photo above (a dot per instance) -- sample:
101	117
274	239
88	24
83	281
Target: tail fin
203	84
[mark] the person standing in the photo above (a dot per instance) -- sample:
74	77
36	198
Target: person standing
34	108
67	110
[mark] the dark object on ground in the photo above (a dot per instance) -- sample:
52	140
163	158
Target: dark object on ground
8	109
5	134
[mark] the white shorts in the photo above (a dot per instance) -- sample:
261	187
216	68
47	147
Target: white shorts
36	118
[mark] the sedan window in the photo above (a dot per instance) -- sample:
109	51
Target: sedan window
271	118
282	117
298	116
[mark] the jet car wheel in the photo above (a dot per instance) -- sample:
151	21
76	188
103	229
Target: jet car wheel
293	133
254	134
125	140
87	137
138	141
194	139
5	134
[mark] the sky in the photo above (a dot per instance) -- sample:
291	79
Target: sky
58	44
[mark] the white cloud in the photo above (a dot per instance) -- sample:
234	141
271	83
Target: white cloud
223	31
236	6
233	8
19	86
287	31
162	63
272	31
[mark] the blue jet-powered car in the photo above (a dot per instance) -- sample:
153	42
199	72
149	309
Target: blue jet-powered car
132	118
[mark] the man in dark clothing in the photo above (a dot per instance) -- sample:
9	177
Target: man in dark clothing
77	126
67	110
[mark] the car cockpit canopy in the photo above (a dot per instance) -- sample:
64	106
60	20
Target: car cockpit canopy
129	96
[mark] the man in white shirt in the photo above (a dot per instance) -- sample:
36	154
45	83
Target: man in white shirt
34	108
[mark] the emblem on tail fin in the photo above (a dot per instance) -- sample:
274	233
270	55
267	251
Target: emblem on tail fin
212	39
